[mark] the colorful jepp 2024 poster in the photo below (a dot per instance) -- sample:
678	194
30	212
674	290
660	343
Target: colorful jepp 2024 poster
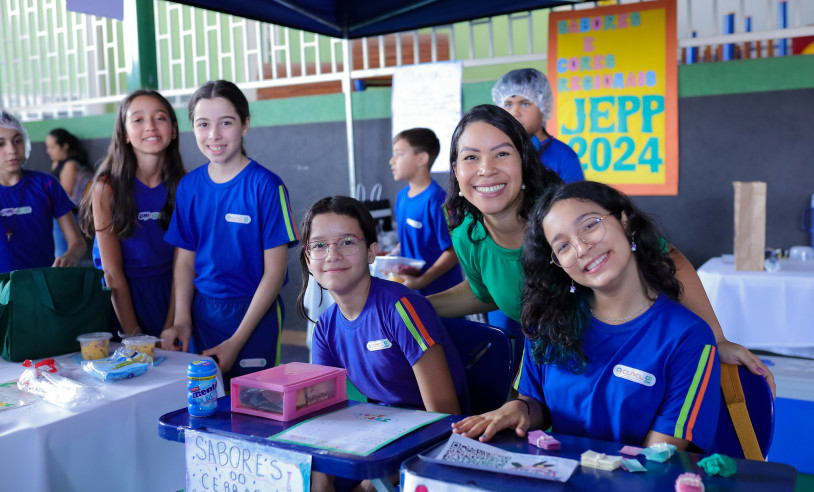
613	73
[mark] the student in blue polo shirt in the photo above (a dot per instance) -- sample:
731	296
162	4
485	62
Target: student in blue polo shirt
423	221
610	353
29	201
232	228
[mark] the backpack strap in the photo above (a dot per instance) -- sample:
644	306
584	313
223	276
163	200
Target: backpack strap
736	405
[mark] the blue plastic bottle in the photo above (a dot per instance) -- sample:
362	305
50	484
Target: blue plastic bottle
202	386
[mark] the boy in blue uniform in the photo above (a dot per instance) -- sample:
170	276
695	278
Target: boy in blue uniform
420	213
526	94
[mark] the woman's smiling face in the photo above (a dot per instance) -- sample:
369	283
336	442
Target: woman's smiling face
489	169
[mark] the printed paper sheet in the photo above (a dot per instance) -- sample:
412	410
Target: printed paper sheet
360	429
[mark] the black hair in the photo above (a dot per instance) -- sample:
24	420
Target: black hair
226	90
536	176
340	205
421	140
118	169
554	319
76	151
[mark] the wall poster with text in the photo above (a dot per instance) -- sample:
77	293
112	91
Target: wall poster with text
613	71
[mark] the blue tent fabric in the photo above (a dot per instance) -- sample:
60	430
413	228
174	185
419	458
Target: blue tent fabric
359	18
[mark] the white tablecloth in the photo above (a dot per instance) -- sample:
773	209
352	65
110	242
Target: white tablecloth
110	444
762	310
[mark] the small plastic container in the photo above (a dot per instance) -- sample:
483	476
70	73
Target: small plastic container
95	345
288	391
202	388
393	267
142	343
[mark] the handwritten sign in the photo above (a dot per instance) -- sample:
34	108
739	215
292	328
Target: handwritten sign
222	464
428	95
613	71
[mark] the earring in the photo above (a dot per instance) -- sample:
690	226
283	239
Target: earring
460	193
573	287
633	243
523	186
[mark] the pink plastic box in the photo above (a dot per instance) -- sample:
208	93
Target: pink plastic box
288	391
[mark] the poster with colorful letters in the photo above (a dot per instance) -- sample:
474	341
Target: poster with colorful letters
613	72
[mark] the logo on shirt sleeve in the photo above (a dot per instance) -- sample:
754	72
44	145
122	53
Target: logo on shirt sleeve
414	223
382	344
238	219
635	375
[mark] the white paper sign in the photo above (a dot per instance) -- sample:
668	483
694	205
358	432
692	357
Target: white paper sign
233	465
428	96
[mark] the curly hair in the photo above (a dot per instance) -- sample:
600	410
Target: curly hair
118	169
536	176
556	320
340	205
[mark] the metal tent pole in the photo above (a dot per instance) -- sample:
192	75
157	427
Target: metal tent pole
347	90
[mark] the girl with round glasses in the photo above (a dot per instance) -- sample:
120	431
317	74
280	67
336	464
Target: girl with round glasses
495	179
616	357
387	336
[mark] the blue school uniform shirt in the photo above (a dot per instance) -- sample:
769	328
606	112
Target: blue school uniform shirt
27	210
659	371
424	233
229	225
378	348
145	254
560	158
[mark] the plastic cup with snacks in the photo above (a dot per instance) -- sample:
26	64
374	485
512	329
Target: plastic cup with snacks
395	267
95	345
142	343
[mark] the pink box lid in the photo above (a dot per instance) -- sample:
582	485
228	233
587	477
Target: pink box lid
291	374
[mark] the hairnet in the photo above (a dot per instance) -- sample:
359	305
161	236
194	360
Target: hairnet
11	123
526	82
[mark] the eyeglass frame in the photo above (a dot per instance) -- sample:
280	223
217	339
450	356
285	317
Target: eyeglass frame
330	246
599	220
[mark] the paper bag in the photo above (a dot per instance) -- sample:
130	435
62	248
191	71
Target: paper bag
750	225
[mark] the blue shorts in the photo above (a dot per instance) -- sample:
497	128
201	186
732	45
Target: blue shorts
151	301
215	320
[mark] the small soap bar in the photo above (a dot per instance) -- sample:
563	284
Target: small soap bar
719	464
600	461
632	465
543	440
630	450
689	482
659	452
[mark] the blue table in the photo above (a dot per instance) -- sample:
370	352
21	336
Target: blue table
376	466
751	476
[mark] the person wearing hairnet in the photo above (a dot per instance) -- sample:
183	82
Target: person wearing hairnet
526	94
29	200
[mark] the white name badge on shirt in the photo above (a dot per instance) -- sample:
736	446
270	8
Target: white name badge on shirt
238	219
635	375
379	345
8	212
149	215
414	223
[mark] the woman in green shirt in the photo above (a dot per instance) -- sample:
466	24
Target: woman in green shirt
495	179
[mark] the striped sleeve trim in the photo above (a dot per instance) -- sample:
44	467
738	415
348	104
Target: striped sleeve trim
695	394
516	383
414	324
285	204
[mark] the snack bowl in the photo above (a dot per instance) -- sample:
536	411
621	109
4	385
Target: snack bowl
393	267
142	343
95	345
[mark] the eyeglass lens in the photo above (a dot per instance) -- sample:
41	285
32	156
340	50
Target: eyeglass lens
591	231
346	246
